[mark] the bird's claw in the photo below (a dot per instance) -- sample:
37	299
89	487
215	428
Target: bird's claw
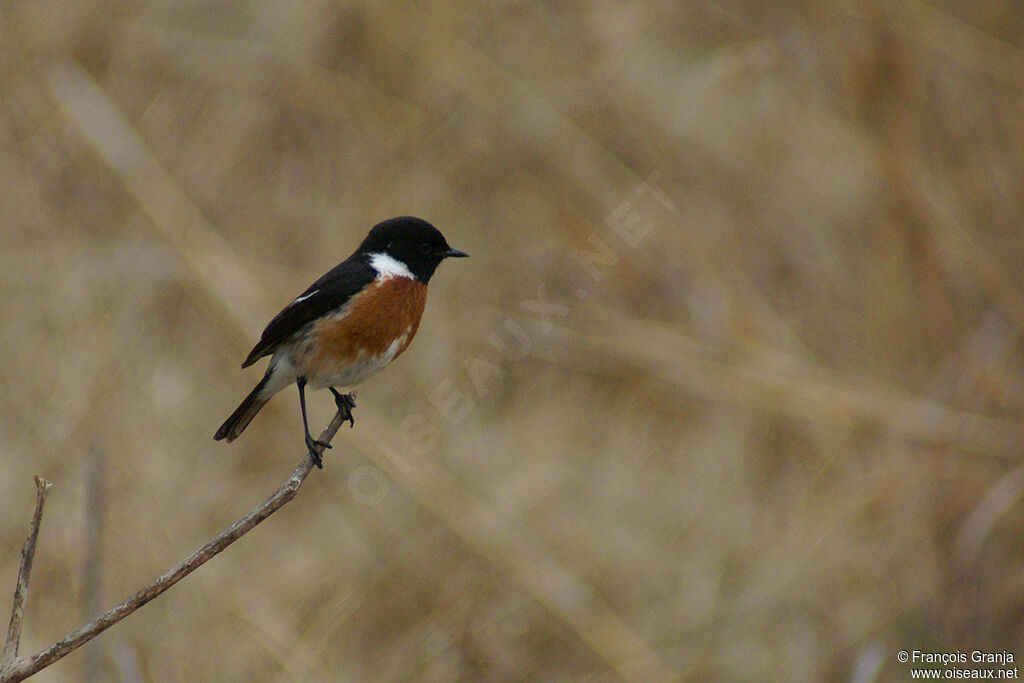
345	403
312	444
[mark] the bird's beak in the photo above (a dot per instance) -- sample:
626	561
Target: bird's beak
454	253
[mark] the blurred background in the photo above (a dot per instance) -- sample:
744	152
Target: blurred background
730	388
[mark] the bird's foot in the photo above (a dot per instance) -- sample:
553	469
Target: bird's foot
312	445
345	403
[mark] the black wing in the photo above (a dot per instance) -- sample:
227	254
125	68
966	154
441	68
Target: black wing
331	291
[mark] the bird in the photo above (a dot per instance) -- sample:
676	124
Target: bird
348	325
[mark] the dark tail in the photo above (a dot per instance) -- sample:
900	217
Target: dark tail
243	414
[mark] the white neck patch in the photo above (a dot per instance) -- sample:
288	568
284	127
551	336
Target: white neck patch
389	266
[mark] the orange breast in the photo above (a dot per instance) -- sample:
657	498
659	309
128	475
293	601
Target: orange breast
387	310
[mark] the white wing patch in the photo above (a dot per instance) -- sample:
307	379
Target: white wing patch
389	266
304	297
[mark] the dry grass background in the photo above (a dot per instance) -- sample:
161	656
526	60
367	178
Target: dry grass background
730	388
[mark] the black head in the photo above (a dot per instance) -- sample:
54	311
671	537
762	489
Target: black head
413	242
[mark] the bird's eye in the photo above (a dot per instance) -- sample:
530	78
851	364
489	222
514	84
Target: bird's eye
426	248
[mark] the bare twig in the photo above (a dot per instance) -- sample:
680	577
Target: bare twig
28	553
18	669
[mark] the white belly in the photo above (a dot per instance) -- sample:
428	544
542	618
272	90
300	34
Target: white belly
353	373
363	368
283	371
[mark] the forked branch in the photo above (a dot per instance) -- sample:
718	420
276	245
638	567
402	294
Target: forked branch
14	668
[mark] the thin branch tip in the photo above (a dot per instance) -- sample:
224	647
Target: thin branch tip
9	660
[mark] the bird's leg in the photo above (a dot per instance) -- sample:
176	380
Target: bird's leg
311	443
345	403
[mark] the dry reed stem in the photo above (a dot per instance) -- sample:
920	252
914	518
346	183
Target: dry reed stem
796	391
232	286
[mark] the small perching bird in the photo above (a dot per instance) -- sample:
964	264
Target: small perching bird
350	324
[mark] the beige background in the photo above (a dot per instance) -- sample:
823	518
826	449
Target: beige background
730	387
